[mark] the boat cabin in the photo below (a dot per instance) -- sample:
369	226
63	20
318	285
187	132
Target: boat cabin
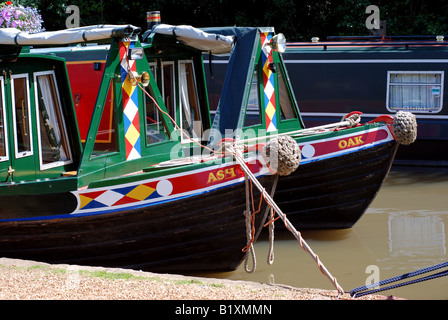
255	97
40	141
39	137
132	127
125	193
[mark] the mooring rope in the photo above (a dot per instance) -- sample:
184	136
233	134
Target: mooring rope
287	223
250	251
349	121
270	259
405	123
264	194
357	291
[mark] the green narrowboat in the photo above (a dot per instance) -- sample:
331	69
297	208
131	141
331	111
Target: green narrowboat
126	196
343	165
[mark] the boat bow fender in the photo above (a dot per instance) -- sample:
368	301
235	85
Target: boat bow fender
404	126
282	155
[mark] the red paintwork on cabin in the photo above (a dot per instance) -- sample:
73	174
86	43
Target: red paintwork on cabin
85	83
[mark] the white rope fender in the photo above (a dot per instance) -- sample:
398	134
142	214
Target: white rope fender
239	159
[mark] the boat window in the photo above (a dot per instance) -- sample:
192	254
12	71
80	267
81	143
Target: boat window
3	137
53	139
21	115
415	91
286	105
152	68
155	129
191	121
253	111
168	85
105	141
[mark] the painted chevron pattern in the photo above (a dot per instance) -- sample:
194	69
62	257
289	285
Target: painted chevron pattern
130	104
268	83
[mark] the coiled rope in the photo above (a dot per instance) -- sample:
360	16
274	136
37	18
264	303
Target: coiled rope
250	236
270	259
357	292
250	230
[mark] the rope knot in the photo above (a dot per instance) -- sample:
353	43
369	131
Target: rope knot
353	119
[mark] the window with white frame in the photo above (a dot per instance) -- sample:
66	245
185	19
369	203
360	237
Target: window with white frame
415	91
155	130
253	110
21	116
190	115
54	148
168	87
3	132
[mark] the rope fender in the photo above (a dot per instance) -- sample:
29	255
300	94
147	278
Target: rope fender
405	127
282	155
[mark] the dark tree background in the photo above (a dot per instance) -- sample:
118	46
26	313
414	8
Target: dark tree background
298	20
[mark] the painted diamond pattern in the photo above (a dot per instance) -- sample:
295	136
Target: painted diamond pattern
268	83
269	90
127	87
118	196
130	108
141	192
109	197
132	134
270	110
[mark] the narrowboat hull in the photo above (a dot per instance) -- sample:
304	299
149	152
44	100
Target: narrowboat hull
334	193
202	232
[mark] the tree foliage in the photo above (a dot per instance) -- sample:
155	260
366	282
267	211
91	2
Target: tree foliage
298	20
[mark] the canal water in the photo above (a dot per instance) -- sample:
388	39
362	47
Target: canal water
404	229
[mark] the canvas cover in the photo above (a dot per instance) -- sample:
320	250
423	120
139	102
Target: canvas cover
197	38
12	36
229	117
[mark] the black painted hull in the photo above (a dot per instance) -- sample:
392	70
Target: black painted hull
205	232
335	192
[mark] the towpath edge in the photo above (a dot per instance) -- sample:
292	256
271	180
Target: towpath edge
30	280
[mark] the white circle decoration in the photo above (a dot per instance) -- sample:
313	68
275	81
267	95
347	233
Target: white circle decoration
308	151
164	188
